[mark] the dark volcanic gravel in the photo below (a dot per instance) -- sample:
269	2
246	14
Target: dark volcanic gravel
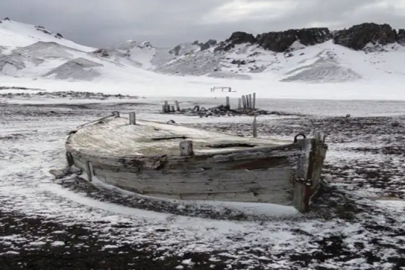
365	162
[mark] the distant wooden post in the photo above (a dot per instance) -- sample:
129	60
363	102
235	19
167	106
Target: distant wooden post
186	148
163	108
254	127
250	102
132	118
227	103
172	109
254	101
167	108
239	104
177	105
244	102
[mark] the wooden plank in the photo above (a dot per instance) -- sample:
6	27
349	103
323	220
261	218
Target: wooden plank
134	139
271	191
254	126
186	148
132	118
301	188
254	101
320	149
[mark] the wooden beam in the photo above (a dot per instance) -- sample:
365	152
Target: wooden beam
132	118
254	101
301	188
254	127
186	148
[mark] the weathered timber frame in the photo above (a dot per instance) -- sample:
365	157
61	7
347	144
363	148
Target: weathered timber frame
309	168
297	165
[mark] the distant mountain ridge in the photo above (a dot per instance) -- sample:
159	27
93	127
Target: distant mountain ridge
311	55
356	37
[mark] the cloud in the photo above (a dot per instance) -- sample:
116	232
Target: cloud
242	10
168	22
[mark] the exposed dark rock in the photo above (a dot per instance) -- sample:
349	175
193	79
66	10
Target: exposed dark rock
44	31
58	35
358	36
195	42
175	50
7	19
241	37
102	52
277	41
208	44
312	36
281	41
238	62
401	36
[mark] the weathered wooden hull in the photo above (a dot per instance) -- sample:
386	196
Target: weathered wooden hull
267	178
276	174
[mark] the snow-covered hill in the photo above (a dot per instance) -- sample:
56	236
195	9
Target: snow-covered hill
28	51
32	55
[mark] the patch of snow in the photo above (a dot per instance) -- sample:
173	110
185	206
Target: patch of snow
58	244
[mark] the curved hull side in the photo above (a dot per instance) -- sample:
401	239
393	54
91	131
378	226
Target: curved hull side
266	180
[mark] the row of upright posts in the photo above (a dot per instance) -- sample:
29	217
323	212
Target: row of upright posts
167	108
247	102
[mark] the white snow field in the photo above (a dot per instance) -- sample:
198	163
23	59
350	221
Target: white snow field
35	57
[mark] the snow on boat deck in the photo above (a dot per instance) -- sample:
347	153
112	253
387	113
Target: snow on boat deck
116	137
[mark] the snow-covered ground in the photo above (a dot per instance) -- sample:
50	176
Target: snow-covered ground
356	225
32	56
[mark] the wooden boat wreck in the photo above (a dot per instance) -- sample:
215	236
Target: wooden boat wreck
172	161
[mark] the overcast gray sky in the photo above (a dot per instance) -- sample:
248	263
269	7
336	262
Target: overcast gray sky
169	22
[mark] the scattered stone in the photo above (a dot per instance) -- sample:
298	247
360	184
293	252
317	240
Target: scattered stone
65	94
223	110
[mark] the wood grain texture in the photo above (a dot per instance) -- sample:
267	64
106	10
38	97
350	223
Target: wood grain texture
147	159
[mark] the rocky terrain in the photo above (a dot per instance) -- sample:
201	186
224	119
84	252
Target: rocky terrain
356	37
356	223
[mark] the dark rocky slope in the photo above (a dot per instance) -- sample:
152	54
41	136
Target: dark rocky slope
355	37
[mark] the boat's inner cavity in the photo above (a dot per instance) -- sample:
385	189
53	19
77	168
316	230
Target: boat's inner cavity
230	145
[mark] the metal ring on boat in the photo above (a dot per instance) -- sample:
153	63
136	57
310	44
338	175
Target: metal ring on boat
298	135
69	159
